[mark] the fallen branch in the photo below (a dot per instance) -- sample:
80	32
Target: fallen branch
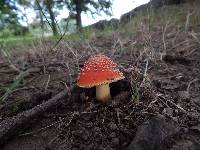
13	125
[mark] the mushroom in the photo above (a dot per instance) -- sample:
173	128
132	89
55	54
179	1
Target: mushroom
99	71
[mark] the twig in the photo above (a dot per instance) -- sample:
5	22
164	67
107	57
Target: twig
70	74
67	125
14	67
145	72
151	103
177	106
188	20
189	84
179	44
195	37
39	130
24	88
47	83
68	89
191	51
163	39
12	126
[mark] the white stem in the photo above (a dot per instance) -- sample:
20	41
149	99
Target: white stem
103	92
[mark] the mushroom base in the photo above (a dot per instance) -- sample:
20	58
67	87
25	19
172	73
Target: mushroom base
103	92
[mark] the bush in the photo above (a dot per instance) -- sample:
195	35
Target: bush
5	33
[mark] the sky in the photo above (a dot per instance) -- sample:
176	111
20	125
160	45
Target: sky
119	7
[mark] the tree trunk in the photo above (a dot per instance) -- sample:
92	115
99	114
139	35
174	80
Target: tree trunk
78	16
41	23
78	22
52	17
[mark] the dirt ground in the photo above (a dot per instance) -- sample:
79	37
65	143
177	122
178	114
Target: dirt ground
162	78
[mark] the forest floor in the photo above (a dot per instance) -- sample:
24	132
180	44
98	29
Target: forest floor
162	81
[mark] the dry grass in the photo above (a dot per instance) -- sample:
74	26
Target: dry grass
146	39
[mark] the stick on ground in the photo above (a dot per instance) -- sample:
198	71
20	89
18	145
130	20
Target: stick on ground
13	125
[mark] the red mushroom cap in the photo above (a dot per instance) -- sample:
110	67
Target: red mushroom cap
99	69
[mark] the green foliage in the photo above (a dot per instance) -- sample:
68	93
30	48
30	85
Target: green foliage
67	24
85	35
92	6
5	33
9	13
13	41
195	18
46	11
77	7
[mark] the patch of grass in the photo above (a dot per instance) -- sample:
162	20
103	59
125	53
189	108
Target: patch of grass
175	15
11	42
86	34
195	18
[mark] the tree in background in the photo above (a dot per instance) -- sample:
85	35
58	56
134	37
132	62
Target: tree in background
77	7
44	11
47	10
10	15
49	5
67	25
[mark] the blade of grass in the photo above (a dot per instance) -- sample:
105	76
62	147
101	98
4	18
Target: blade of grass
12	87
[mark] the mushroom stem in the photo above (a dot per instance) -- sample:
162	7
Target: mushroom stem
103	92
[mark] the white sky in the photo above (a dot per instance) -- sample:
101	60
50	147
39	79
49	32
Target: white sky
119	7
